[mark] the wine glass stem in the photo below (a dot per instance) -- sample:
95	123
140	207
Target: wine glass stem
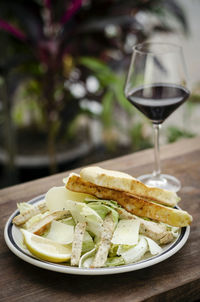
157	169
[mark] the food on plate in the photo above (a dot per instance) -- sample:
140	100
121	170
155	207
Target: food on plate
124	182
39	227
105	242
131	203
101	218
27	212
46	249
77	242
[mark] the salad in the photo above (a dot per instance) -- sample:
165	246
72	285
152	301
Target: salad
81	230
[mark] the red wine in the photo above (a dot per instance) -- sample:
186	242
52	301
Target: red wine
158	101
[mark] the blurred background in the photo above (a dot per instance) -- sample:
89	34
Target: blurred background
62	70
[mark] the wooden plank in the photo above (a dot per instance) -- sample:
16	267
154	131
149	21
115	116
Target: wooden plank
175	279
131	163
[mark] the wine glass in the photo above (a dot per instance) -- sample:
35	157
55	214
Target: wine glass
157	85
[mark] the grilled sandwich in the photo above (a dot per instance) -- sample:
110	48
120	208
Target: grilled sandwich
126	183
134	204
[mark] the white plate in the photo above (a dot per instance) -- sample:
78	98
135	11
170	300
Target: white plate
13	238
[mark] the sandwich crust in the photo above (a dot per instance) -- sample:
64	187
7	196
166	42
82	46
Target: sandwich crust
124	182
132	204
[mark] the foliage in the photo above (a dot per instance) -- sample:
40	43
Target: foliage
111	81
138	139
47	38
175	133
46	31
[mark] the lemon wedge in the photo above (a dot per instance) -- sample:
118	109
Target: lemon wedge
46	249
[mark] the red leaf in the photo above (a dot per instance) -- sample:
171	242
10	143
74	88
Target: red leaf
74	7
12	30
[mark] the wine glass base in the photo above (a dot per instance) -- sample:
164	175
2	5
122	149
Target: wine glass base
164	181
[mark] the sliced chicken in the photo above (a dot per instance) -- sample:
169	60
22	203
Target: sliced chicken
39	227
105	242
154	230
77	243
24	217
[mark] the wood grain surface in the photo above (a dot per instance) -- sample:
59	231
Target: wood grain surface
175	279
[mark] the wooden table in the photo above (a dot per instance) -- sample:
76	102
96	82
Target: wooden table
175	279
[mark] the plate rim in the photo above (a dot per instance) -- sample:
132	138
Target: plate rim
12	245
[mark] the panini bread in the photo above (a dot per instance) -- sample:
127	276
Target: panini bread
133	204
125	182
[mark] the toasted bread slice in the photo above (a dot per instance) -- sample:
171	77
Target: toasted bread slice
131	203
125	182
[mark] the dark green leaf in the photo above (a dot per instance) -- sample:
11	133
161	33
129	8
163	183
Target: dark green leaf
175	133
107	113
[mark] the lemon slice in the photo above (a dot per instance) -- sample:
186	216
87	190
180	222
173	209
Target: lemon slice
46	249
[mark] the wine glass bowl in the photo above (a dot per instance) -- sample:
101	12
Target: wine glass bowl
157	85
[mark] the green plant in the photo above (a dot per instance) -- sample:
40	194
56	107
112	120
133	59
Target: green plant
175	133
46	38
